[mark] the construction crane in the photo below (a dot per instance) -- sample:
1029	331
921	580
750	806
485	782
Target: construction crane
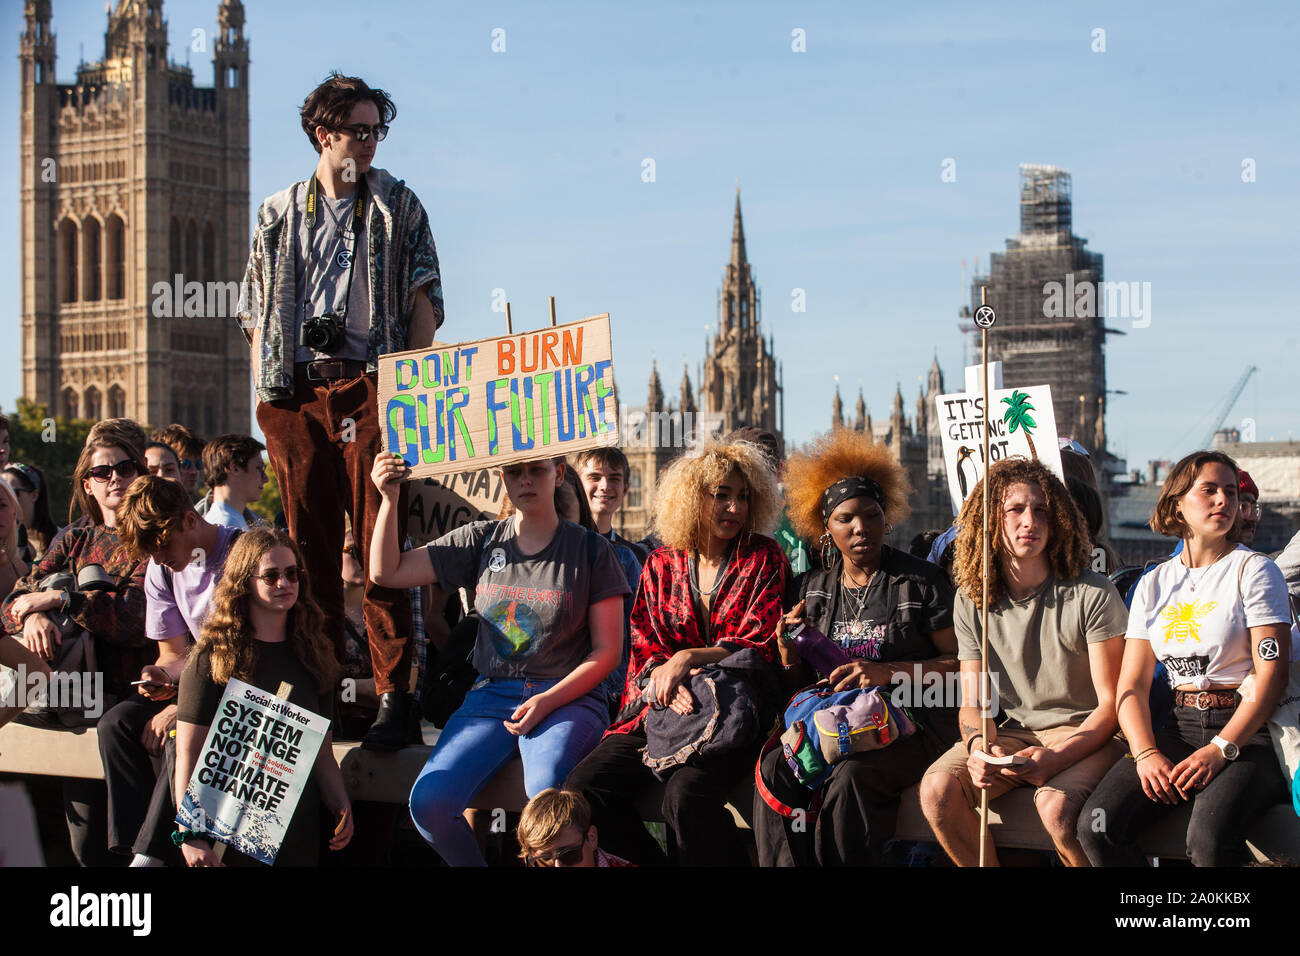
1227	406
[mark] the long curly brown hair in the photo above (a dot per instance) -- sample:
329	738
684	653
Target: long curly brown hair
228	632
840	454
688	479
1068	543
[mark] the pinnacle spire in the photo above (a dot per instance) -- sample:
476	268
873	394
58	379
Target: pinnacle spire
738	235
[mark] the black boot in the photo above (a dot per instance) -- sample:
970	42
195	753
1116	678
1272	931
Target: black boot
391	728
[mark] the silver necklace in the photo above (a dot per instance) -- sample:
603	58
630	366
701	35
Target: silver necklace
856	626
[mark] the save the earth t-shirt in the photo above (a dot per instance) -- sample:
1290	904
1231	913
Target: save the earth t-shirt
532	607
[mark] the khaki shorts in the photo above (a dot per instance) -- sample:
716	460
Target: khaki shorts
1076	781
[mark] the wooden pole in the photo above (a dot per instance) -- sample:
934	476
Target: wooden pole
510	329
985	723
552	301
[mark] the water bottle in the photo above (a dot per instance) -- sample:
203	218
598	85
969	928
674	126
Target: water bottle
821	653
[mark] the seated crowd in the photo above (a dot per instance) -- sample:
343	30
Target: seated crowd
682	677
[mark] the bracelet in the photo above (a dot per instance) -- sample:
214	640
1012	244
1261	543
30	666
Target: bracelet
970	744
1137	758
181	837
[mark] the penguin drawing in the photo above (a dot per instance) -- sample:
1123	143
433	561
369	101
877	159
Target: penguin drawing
965	455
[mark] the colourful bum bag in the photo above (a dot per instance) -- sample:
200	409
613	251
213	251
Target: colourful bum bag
823	726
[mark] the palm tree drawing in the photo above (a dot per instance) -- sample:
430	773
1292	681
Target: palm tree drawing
1018	416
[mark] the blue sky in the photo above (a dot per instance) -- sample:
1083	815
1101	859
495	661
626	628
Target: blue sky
530	164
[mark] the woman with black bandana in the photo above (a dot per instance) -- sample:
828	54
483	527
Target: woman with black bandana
892	614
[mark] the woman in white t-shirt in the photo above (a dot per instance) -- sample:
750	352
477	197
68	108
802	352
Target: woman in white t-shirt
1212	614
550	598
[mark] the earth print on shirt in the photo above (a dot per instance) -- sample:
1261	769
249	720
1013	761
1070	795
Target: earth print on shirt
1184	620
516	629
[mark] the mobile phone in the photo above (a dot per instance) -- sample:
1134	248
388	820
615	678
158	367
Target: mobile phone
152	683
1007	760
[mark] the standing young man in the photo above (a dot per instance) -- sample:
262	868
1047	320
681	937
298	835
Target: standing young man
1056	637
604	474
343	269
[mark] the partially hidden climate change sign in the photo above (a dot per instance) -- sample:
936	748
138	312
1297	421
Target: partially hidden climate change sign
255	762
496	401
1021	423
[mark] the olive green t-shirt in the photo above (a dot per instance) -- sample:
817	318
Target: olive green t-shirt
1038	647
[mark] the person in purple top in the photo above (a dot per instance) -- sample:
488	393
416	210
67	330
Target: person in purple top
186	556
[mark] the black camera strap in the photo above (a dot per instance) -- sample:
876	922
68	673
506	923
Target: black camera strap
311	214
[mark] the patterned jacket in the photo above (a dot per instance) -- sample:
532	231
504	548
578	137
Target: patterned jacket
402	261
113	616
744	613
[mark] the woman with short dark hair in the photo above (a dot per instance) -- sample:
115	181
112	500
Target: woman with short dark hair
1214	614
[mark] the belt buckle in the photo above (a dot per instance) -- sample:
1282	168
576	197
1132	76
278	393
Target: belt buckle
319	371
1208	700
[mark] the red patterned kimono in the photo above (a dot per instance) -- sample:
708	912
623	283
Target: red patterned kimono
744	613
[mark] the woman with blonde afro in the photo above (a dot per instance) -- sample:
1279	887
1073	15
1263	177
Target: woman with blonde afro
715	588
891	614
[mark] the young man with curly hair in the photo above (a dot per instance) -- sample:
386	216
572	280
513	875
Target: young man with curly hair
1056	637
342	270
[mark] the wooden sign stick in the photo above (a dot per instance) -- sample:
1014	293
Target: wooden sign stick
552	302
985	723
510	329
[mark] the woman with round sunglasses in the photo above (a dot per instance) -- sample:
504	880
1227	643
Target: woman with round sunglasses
264	629
33	493
550	598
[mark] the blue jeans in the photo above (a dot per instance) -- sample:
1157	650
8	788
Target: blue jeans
475	745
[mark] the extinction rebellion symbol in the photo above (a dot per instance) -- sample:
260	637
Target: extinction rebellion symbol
985	316
343	258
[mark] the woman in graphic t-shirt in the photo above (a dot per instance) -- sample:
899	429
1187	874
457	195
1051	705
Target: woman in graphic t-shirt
887	611
1212	614
550	598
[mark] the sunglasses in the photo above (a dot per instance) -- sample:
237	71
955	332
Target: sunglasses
363	132
569	856
123	469
272	575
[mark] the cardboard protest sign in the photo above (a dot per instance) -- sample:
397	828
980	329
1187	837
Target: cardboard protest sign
495	401
1021	422
443	504
255	762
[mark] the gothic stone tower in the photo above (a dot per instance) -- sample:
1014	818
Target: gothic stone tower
134	197
741	385
741	381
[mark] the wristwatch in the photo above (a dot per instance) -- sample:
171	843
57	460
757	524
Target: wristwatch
1227	748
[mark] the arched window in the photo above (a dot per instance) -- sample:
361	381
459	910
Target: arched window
209	253
67	261
174	259
116	257
634	488
94	404
71	404
116	402
90	260
191	251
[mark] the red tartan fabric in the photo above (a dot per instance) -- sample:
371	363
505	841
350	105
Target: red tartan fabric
744	614
115	616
